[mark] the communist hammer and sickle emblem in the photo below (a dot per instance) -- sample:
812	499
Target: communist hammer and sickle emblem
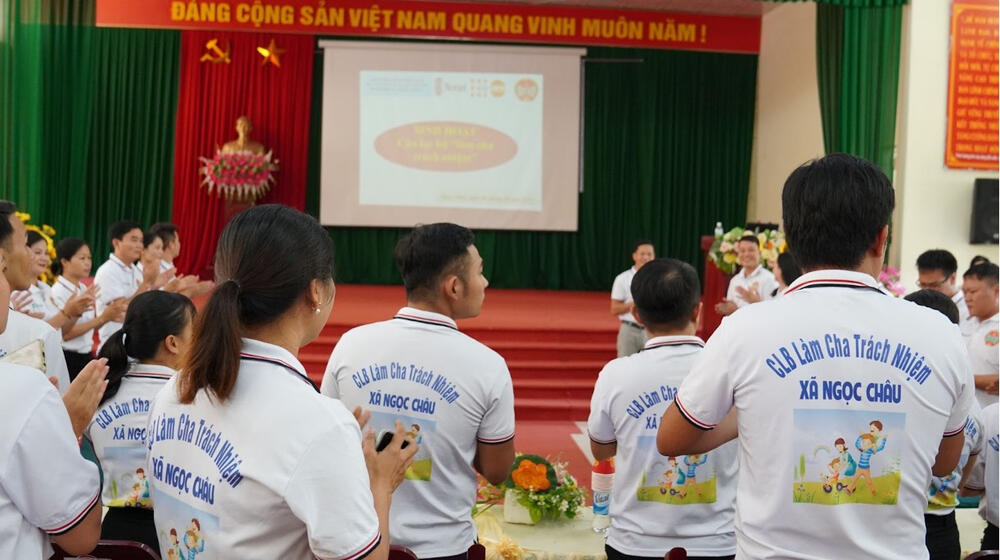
214	54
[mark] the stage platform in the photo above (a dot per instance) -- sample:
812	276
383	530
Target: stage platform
555	342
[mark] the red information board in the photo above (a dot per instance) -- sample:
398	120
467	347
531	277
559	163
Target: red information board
973	86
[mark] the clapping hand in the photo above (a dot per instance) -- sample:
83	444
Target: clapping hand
85	393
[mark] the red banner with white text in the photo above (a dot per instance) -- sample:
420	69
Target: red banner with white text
973	86
445	20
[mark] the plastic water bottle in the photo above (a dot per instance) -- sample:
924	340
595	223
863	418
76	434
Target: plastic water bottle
718	230
602	480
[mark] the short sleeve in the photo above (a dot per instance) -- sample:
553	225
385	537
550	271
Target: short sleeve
51	484
497	425
706	395
620	290
973	432
331	493
599	424
960	410
329	386
55	360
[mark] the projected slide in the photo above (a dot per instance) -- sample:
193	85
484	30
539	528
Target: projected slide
487	136
451	139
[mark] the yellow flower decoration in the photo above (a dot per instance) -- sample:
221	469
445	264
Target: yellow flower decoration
729	257
530	476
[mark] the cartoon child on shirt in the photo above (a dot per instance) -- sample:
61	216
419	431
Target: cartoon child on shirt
692	462
868	444
832	475
175	545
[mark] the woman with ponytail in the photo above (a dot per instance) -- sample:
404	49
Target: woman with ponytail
141	357
277	470
71	266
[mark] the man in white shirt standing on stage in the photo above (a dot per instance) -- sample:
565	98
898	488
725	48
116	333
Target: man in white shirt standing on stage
752	283
981	295
936	270
656	505
845	399
631	335
452	392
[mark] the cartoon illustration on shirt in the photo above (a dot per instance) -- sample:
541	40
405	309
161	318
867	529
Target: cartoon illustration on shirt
127	486
873	478
692	462
189	530
421	431
133	497
140	474
675	482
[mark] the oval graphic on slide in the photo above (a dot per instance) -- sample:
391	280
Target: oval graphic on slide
446	146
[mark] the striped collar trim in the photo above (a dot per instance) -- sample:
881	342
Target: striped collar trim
151	371
257	351
662	341
834	278
66	284
426	317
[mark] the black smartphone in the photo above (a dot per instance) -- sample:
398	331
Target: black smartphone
384	438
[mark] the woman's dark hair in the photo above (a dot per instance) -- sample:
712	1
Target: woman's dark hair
66	249
34	237
151	318
265	260
790	269
148	237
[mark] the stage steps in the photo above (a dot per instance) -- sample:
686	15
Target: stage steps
553	371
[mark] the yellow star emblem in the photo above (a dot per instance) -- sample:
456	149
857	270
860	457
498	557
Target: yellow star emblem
271	54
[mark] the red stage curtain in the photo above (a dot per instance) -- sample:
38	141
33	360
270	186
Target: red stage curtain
211	97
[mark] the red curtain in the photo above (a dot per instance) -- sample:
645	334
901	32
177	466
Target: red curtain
211	97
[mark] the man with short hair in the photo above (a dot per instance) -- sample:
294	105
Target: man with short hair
752	283
188	285
650	514
834	359
936	270
631	336
119	278
419	368
981	288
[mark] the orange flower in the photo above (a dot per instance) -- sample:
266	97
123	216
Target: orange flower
530	476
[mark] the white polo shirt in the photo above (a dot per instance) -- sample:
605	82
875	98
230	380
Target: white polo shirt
452	392
965	321
761	279
275	471
23	330
62	290
117	280
621	291
942	495
984	353
654	505
41	299
165	265
821	363
118	432
986	475
46	486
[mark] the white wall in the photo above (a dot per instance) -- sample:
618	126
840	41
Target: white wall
787	128
935	202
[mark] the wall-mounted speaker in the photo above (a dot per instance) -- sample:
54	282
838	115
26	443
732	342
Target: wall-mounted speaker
985	212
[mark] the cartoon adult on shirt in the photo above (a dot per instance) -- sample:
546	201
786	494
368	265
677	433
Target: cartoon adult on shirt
866	444
692	462
847	464
143	483
175	545
875	429
193	541
415	433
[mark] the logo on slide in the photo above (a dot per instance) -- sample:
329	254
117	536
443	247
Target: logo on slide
497	88
526	89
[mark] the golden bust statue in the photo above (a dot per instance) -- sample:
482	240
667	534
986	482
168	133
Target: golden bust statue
243	143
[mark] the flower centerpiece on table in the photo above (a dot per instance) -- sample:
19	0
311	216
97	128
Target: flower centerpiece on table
239	175
723	251
536	489
48	233
889	278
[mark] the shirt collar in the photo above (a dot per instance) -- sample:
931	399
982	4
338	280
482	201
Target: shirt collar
835	277
266	352
755	272
120	263
427	317
62	281
674	340
959	296
151	371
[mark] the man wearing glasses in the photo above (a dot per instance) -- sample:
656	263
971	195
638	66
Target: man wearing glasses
936	271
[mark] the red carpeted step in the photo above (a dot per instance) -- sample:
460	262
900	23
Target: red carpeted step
553	388
551	409
555	369
512	348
